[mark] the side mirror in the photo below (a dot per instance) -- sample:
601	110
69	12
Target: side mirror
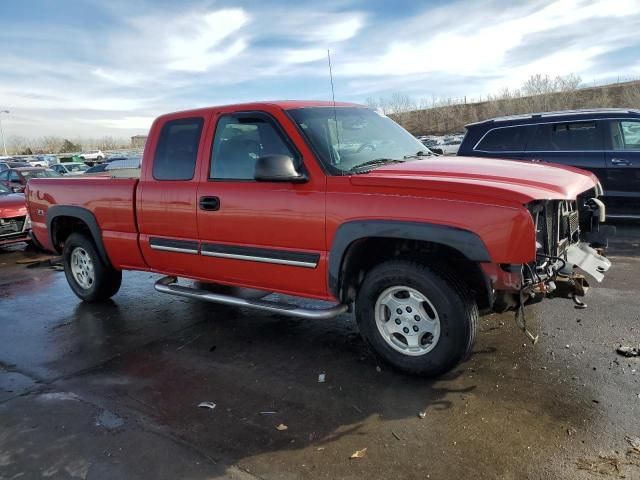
277	168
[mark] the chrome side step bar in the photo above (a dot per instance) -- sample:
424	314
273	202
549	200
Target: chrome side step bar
169	285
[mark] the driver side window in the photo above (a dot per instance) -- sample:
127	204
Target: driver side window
239	142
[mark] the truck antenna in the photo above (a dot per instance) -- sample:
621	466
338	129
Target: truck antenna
333	98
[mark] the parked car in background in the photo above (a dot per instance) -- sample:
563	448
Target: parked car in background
37	162
99	168
16	179
93	155
115	157
4	166
432	144
118	166
603	141
71	168
17	164
47	160
450	147
14	221
128	168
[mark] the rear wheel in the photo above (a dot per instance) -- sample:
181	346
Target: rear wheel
88	276
418	319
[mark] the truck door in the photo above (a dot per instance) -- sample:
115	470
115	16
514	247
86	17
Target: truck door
265	235
166	200
622	186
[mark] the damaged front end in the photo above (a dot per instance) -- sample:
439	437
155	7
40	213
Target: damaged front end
570	244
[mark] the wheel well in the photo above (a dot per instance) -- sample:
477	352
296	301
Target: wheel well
364	254
63	226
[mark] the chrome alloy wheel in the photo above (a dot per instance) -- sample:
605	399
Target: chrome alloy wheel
82	268
407	320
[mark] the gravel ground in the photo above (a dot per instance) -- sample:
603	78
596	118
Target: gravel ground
112	391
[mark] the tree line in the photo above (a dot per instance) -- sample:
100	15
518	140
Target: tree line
19	145
539	93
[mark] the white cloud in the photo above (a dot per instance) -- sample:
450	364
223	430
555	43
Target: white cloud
197	42
305	55
139	123
117	77
479	43
38	98
152	60
340	31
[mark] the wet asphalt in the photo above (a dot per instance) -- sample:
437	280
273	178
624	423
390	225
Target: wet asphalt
111	391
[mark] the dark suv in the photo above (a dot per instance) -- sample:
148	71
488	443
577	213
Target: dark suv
604	141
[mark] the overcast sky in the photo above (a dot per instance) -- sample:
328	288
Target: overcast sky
107	67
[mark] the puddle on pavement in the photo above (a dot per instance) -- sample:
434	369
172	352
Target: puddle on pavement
109	420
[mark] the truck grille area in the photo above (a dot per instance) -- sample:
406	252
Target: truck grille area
12	225
557	225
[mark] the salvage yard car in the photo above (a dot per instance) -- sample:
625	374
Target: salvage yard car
605	141
16	178
263	196
93	155
14	221
70	168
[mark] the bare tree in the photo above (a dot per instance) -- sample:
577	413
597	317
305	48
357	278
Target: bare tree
538	93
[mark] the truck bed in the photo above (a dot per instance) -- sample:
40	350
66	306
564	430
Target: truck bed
110	200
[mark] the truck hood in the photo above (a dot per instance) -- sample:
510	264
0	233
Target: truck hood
515	181
12	205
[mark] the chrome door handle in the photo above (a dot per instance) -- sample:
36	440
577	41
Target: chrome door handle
621	161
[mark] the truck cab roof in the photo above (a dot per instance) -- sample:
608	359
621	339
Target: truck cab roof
281	104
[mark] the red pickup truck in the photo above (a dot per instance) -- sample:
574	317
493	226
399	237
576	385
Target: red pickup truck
336	203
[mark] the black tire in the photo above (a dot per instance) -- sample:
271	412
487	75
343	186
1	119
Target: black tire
452	302
106	280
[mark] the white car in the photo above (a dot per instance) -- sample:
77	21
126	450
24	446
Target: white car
95	155
450	147
71	168
42	161
37	163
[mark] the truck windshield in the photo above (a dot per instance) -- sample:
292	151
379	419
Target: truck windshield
353	139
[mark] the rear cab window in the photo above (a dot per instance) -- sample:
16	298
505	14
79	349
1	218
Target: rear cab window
177	149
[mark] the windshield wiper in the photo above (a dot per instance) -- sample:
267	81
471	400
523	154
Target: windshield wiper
375	162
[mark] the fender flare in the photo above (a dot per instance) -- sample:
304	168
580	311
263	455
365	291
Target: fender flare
465	241
83	214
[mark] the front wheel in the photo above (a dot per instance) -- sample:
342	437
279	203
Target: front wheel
418	319
88	276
